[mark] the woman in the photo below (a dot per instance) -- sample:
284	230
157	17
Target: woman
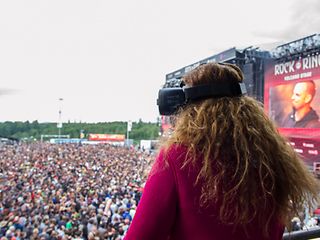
224	173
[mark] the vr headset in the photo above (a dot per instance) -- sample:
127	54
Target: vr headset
171	99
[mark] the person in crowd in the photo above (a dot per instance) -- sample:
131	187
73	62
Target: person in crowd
224	173
302	115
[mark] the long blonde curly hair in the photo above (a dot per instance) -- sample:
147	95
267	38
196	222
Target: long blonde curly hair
247	166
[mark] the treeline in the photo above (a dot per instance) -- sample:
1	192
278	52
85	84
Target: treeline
34	130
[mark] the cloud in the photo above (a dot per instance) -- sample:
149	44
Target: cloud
303	20
7	91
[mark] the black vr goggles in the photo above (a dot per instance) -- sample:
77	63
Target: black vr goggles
171	99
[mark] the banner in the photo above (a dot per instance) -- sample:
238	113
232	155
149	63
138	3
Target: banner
292	100
129	126
106	137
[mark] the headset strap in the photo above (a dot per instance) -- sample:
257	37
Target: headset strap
214	90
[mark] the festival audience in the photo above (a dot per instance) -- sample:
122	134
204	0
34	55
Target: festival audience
69	191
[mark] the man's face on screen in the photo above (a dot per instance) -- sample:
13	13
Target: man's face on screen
300	96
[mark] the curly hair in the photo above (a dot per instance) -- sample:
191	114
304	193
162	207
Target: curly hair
247	166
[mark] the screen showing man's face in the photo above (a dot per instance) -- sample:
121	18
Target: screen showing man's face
300	96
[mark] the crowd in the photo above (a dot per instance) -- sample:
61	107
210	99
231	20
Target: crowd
69	191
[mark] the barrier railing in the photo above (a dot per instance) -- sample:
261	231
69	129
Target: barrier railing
303	234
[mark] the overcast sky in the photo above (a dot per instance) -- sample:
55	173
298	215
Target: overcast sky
108	59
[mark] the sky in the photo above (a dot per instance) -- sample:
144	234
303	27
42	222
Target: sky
108	59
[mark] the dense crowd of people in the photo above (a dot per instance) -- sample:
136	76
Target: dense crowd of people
69	191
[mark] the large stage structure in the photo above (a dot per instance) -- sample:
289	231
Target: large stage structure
270	77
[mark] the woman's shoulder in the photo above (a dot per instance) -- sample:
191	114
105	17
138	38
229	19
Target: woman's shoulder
173	152
167	154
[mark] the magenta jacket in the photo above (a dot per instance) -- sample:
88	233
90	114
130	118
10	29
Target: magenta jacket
169	207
